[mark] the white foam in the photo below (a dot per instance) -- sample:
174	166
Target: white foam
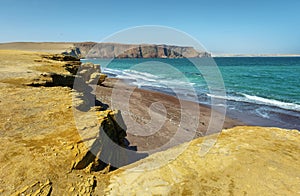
259	100
138	73
112	71
148	79
262	113
130	74
273	102
230	98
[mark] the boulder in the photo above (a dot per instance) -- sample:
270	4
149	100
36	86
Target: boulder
87	69
97	78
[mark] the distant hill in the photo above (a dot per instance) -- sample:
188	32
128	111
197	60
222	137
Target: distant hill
108	50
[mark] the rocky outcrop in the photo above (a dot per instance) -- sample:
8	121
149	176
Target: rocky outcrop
116	50
87	72
243	161
110	125
43	151
91	73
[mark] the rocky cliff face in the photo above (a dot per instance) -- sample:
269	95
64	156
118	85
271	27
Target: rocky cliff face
39	141
115	50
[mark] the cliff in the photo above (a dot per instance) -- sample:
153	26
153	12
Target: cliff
116	50
107	50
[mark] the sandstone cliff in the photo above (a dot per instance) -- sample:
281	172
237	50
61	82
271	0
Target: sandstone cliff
39	141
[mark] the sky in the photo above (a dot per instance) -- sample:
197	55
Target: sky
232	26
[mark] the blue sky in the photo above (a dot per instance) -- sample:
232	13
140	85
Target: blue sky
232	26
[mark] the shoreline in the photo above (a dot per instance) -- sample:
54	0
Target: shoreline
252	108
242	118
176	111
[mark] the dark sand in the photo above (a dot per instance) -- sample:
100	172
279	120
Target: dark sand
156	121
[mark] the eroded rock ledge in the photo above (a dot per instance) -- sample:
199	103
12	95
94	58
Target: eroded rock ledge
109	126
40	143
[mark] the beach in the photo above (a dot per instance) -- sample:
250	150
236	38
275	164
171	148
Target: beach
176	112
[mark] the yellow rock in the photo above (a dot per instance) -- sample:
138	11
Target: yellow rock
243	161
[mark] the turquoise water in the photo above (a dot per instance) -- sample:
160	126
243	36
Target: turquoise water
270	78
265	90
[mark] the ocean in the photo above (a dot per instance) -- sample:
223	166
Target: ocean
263	91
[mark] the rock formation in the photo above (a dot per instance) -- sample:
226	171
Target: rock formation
40	142
116	50
244	161
110	124
87	72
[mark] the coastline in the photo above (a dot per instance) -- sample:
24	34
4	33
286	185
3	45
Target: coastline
44	152
233	117
256	108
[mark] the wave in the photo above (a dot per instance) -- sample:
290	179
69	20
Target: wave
145	74
145	79
148	79
131	74
273	102
259	100
111	71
